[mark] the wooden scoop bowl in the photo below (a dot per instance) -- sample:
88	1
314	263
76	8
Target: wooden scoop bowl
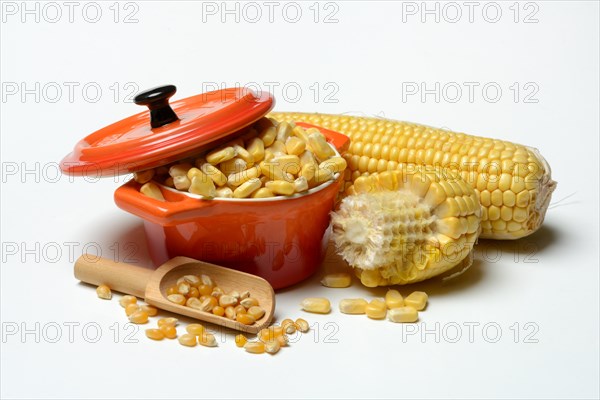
152	285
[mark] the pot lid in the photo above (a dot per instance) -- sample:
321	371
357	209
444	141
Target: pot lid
166	132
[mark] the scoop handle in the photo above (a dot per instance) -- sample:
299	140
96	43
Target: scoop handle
121	277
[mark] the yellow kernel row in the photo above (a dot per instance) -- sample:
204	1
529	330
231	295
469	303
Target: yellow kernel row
272	159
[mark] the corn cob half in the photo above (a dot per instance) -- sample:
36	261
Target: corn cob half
399	227
513	182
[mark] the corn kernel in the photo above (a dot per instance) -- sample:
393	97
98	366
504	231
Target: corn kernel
127	299
302	325
183	288
334	164
179	169
232	166
403	314
416	300
219	311
212	172
131	308
337	280
319	145
152	190
194	302
194	292
220	155
195	329
103	292
169	331
353	306
256	312
227	300
256	147
283	340
181	182
288	326
294	145
172	290
208	304
376	309
205	290
255	347
139	317
167	322
268	136
208	340
272	346
188	340
177	299
240	309
262	193
193	280
249	302
224	192
244	295
316	305
217	292
144	176
230	312
240	340
155	334
203	186
244	155
245	319
237	178
393	299
246	188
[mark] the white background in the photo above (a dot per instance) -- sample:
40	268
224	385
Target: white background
362	61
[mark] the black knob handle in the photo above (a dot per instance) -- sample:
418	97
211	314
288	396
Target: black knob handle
157	100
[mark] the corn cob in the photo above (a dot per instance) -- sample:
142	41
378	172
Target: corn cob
513	182
399	227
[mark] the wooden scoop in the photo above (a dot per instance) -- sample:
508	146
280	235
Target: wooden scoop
152	285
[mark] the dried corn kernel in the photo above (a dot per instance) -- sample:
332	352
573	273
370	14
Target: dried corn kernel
255	347
244	295
208	304
155	334
177	299
143	176
203	186
393	299
403	314
256	147
256	312
272	346
207	280
249	302
169	330
188	340
127	299
139	317
262	193
167	322
295	145
194	302
230	313
179	169
224	192
131	308
283	340
181	182
376	309
193	280
103	292
213	173
240	340
288	326
302	325
206	290
227	300
240	309
195	329
353	306
268	136
316	305
319	145
183	288
194	292
416	300
337	280
244	155
334	164
237	178
219	311
208	340
245	319
152	190
232	166
172	290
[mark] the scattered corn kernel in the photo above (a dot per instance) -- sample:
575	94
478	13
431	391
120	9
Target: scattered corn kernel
155	334
208	340
416	300
288	326
127	299
403	314
245	319
316	305
139	317
376	309
103	292
167	322
255	347
353	306
195	329
337	280
131	308
169	331
240	340
218	310
393	299
272	346
302	325
188	340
